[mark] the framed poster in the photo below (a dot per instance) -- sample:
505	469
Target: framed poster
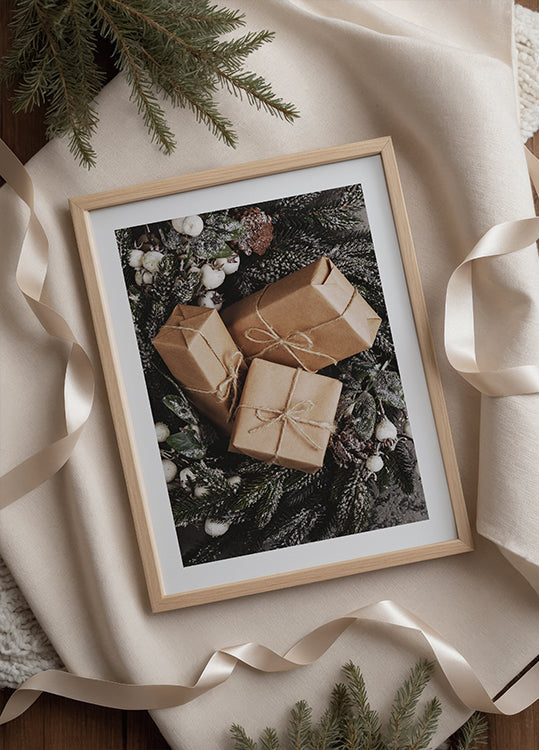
214	524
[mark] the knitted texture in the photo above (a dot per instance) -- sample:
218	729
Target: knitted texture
24	648
526	30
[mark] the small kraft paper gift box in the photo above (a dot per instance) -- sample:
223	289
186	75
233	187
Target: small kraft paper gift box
285	416
200	353
312	318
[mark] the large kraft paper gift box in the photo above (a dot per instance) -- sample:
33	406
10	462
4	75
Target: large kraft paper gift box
312	318
200	354
441	83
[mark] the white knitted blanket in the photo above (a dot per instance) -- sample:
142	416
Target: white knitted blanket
24	648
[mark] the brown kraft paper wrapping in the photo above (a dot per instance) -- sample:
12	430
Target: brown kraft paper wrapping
285	416
312	318
201	355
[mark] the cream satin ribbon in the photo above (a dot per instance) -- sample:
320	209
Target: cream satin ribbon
222	663
79	377
78	396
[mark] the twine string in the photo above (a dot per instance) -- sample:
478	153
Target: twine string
289	415
228	388
294	341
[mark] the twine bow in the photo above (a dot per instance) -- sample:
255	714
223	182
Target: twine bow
289	415
293	341
293	415
228	388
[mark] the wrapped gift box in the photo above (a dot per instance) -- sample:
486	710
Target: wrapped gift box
285	416
201	355
310	319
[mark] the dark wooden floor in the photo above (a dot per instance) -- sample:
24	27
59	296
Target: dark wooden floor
60	724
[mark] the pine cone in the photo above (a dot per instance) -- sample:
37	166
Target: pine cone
258	231
346	445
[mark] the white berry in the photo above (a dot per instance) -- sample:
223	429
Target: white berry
192	225
407	429
151	260
143	277
200	490
178	224
386	430
374	463
135	258
187	477
170	469
210	299
228	265
216	528
234	481
161	431
211	277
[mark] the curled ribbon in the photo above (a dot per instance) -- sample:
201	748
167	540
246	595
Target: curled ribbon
78	379
311	647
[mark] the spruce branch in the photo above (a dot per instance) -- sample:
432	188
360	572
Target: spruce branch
172	50
299	727
241	740
425	726
269	740
350	724
473	734
405	704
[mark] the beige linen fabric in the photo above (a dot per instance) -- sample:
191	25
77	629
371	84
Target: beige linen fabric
435	75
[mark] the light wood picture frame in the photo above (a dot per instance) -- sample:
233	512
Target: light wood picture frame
440	527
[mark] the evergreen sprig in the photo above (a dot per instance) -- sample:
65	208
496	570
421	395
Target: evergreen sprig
171	50
349	723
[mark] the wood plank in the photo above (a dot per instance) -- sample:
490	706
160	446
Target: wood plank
69	724
519	732
54	723
23	733
141	732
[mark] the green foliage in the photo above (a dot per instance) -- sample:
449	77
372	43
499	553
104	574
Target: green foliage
472	735
349	722
174	50
268	506
187	444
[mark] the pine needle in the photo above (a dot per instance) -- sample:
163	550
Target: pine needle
473	734
405	703
167	51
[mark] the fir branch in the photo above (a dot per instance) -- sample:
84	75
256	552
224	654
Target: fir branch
269	740
170	49
405	704
425	726
241	740
147	104
255	88
350	724
473	734
299	727
368	720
